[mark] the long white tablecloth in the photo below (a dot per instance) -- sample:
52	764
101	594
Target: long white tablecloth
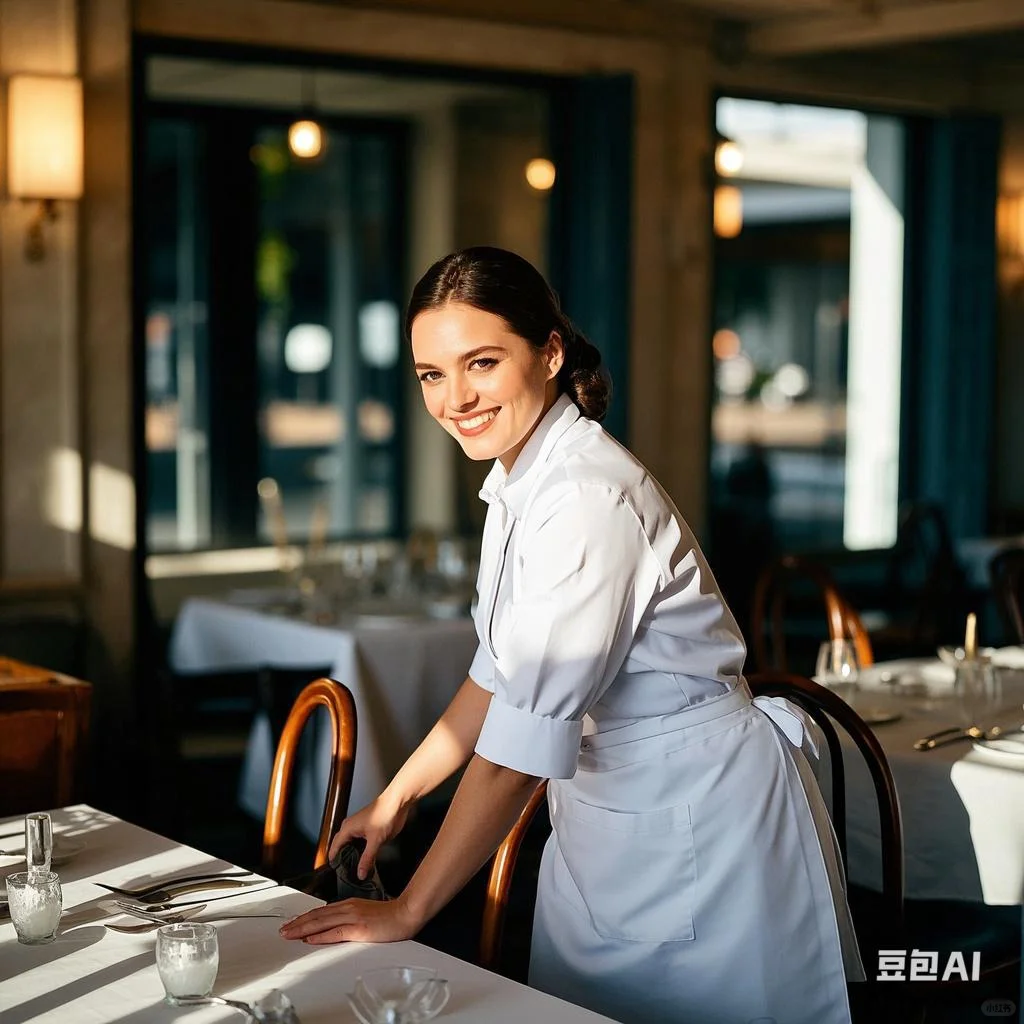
963	806
91	975
401	675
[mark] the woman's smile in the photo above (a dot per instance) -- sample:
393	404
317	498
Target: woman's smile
475	425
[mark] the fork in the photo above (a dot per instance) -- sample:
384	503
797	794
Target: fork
970	733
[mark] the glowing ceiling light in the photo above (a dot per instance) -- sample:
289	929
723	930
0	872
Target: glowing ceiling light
540	174
305	139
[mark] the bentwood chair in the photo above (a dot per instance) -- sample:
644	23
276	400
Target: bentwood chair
781	579
1006	572
879	922
499	883
826	707
337	700
890	922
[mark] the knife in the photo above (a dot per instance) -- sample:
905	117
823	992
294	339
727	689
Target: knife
158	908
170	892
147	890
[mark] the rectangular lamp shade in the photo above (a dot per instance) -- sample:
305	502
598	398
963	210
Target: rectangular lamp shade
44	137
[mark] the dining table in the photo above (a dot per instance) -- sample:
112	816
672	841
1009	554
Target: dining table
962	801
402	668
93	974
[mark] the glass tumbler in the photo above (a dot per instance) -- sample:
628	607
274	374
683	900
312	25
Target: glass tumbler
837	666
35	904
187	958
977	691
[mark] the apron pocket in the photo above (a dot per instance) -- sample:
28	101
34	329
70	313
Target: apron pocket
635	871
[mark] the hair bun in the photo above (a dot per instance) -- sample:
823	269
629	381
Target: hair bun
588	356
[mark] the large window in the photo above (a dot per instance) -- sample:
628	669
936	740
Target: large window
807	325
279	401
807	334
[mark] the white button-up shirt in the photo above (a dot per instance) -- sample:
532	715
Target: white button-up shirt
594	600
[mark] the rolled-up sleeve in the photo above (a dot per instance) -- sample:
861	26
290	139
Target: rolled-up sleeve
587	575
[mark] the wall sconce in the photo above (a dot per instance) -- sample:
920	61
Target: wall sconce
44	147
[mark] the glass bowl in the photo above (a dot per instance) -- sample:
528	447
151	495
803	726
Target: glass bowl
398	995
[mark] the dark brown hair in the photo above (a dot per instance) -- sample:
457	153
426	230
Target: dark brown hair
504	284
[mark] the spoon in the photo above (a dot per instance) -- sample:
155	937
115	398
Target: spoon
236	1004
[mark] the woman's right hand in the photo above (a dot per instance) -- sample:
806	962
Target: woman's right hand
377	823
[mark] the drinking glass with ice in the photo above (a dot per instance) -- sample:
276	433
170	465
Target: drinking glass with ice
187	958
35	902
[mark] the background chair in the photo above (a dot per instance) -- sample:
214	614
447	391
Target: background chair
205	722
44	731
889	921
336	698
1006	572
926	590
800	586
826	708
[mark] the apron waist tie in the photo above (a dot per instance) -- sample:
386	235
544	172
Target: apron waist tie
791	720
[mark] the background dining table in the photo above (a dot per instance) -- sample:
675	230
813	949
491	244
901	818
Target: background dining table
962	802
92	975
402	671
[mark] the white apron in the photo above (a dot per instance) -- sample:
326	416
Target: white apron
692	875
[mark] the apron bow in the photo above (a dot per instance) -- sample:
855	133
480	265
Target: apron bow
792	721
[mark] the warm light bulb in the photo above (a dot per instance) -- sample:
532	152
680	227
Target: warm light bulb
305	139
540	174
728	211
728	158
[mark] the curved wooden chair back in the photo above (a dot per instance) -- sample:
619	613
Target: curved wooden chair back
1006	572
499	884
768	616
824	706
336	698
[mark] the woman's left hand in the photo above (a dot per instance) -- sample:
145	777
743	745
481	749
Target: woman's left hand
353	920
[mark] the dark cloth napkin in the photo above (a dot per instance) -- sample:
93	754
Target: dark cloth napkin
339	880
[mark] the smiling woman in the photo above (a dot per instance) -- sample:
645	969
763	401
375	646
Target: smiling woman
609	664
493	351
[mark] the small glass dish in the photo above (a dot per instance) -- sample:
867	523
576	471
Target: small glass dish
398	995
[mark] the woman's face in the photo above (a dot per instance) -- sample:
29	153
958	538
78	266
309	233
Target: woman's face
485	385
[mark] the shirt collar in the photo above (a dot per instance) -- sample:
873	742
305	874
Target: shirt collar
512	489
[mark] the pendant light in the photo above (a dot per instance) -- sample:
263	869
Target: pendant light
305	137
